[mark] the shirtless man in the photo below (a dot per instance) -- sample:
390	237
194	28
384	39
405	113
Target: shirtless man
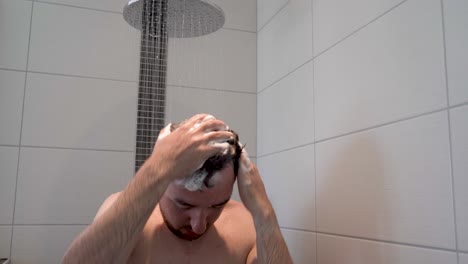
162	216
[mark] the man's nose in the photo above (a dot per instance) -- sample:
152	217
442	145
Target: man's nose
198	221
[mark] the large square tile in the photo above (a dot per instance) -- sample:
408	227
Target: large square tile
376	184
392	69
266	9
108	5
286	112
8	169
5	240
42	244
51	180
223	60
74	112
285	43
83	42
301	245
289	179
456	38
11	106
182	103
15	18
238	110
334	249
459	118
335	19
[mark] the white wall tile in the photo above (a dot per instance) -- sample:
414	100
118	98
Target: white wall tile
223	60
75	112
42	244
51	180
392	183
458	121
289	179
456	37
8	169
392	69
185	102
286	112
240	14
285	43
11	106
14	31
335	19
5	239
238	110
266	9
108	5
301	245
334	249
76	41
463	259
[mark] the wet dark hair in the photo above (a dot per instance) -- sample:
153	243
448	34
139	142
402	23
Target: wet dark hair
219	161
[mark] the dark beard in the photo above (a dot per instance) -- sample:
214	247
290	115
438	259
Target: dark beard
177	232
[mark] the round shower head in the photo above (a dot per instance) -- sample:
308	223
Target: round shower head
185	18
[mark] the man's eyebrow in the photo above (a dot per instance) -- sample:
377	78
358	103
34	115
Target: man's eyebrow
223	202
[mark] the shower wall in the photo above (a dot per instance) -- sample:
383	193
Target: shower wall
68	102
363	128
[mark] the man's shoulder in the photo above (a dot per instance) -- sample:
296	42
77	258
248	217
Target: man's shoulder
236	217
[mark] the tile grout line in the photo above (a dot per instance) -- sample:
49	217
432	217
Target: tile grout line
80	7
65	148
84	77
361	130
240	30
373	240
16	70
452	175
314	129
271	18
21	131
333	45
126	81
315	176
211	89
47	225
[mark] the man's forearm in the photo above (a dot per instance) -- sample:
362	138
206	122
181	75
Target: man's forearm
271	247
107	239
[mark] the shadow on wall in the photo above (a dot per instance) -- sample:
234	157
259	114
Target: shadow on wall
351	198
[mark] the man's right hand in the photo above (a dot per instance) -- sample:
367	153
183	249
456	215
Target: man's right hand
181	152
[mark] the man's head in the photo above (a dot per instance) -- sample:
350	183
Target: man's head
191	205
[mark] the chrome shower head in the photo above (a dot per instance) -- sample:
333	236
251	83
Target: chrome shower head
185	18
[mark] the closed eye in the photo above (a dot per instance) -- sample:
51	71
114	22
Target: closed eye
183	205
222	204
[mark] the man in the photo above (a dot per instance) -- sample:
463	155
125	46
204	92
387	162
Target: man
165	216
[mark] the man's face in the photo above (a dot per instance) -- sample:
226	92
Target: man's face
190	214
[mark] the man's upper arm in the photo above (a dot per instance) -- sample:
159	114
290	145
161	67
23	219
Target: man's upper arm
252	257
107	204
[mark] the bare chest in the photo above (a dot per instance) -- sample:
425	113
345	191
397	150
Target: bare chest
159	248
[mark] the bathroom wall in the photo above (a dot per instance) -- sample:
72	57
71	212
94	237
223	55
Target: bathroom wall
363	128
68	102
